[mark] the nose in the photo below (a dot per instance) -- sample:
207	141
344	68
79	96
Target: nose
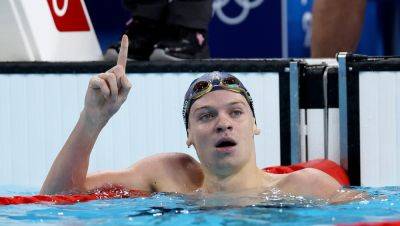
223	124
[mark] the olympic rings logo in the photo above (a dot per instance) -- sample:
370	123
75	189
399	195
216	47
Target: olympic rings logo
60	12
246	5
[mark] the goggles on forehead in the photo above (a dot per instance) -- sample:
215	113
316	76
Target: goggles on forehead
211	82
231	83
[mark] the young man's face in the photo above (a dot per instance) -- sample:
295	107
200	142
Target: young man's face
222	128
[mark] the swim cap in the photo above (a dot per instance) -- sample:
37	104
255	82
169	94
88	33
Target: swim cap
210	82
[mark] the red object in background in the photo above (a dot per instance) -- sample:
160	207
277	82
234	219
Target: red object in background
68	15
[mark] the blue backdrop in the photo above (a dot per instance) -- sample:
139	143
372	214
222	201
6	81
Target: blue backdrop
261	28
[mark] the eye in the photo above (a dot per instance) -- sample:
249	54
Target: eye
236	113
206	116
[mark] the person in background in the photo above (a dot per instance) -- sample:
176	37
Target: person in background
337	26
166	30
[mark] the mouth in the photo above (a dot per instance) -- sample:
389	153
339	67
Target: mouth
225	145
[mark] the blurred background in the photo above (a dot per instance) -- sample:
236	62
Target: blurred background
262	28
31	31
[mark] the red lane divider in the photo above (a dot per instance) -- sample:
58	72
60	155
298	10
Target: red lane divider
387	223
108	193
326	166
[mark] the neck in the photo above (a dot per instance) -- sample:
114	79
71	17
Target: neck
248	177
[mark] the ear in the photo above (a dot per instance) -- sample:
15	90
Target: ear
256	131
189	141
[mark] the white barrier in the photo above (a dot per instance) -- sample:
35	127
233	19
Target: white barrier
369	124
380	128
37	113
313	134
45	31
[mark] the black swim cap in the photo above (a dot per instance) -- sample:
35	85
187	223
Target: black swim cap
210	82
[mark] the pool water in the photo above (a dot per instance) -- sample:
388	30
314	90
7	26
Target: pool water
173	209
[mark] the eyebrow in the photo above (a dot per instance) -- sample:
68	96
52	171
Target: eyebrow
201	108
207	107
237	102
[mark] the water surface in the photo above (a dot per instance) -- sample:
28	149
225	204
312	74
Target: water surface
268	208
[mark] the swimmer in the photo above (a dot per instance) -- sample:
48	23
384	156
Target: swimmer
220	124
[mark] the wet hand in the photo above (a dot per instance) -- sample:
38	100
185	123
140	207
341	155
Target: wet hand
108	91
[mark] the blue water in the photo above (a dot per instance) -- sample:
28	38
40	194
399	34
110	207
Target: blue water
172	209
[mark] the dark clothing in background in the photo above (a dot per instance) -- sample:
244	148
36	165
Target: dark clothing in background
194	14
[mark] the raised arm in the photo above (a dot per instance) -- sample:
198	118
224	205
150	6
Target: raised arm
105	95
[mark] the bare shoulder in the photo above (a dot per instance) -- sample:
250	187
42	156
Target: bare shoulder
316	183
311	174
309	182
167	160
160	172
170	172
313	178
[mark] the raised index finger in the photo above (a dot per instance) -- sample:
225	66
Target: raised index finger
123	51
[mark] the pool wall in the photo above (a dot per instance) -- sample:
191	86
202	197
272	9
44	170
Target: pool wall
380	127
369	123
345	111
39	110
